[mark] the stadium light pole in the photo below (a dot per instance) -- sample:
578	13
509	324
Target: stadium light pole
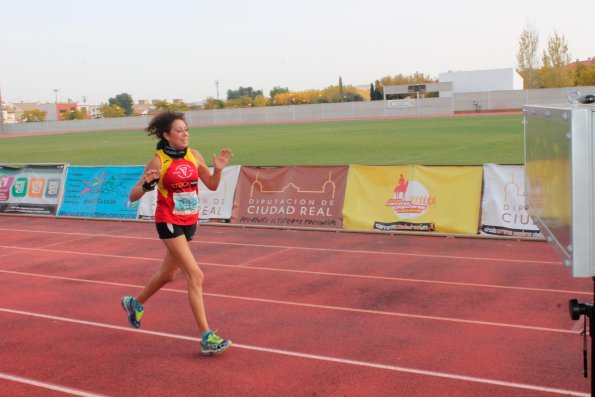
56	92
1	114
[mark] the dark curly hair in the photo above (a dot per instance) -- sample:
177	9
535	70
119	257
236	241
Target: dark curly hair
162	123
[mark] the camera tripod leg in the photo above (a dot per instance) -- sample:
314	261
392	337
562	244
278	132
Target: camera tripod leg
577	310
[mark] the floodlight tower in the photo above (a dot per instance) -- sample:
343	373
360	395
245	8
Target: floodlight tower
1	115
56	93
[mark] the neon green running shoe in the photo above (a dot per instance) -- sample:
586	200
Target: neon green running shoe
211	344
133	309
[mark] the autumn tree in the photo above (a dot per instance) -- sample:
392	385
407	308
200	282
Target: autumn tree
527	61
29	116
585	75
401	79
164	105
261	101
110	111
212	103
555	59
75	115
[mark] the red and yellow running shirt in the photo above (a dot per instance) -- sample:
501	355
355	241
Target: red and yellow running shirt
177	190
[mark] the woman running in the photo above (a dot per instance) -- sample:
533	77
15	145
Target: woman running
175	170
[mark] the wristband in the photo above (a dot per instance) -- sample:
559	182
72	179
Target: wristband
148	186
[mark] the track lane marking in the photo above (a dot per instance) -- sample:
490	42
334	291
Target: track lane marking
314	306
400	279
365	252
316	356
46	385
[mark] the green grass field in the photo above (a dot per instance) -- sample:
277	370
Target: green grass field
465	140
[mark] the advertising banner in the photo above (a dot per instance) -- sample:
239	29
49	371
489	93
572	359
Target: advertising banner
413	198
503	205
213	206
31	189
290	196
100	192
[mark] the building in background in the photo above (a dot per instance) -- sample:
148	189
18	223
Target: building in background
9	115
482	80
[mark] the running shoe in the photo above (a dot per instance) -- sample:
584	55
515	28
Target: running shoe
133	309
211	344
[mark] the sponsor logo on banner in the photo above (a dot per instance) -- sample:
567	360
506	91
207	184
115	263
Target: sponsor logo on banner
31	189
503	209
411	200
100	192
443	199
291	196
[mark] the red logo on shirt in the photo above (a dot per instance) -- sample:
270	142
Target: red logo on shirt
184	171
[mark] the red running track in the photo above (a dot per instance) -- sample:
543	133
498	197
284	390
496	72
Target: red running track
310	314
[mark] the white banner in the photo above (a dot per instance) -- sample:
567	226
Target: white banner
213	206
503	204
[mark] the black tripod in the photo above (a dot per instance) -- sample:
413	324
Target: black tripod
577	310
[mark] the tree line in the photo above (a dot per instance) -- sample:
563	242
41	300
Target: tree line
552	67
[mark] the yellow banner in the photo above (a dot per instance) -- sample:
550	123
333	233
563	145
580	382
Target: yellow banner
443	199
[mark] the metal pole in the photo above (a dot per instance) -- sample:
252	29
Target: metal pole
1	114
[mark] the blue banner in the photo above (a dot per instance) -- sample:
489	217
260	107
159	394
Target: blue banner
100	192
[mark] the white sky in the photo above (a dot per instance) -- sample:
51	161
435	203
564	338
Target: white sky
165	49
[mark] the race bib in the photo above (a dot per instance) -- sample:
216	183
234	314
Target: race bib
185	203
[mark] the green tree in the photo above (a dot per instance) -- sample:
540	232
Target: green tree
527	62
124	101
243	91
555	59
277	90
30	116
375	92
110	111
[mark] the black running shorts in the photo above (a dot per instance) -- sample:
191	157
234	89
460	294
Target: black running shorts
169	230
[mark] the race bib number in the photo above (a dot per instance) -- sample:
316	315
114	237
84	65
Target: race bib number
185	203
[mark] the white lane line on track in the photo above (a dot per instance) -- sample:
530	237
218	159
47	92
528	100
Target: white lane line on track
365	252
459	284
314	306
45	385
317	357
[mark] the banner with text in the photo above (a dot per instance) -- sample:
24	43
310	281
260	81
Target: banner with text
305	196
100	192
31	189
442	199
213	206
503	205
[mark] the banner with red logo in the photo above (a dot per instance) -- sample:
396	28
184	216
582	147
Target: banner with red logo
503	204
442	199
290	196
